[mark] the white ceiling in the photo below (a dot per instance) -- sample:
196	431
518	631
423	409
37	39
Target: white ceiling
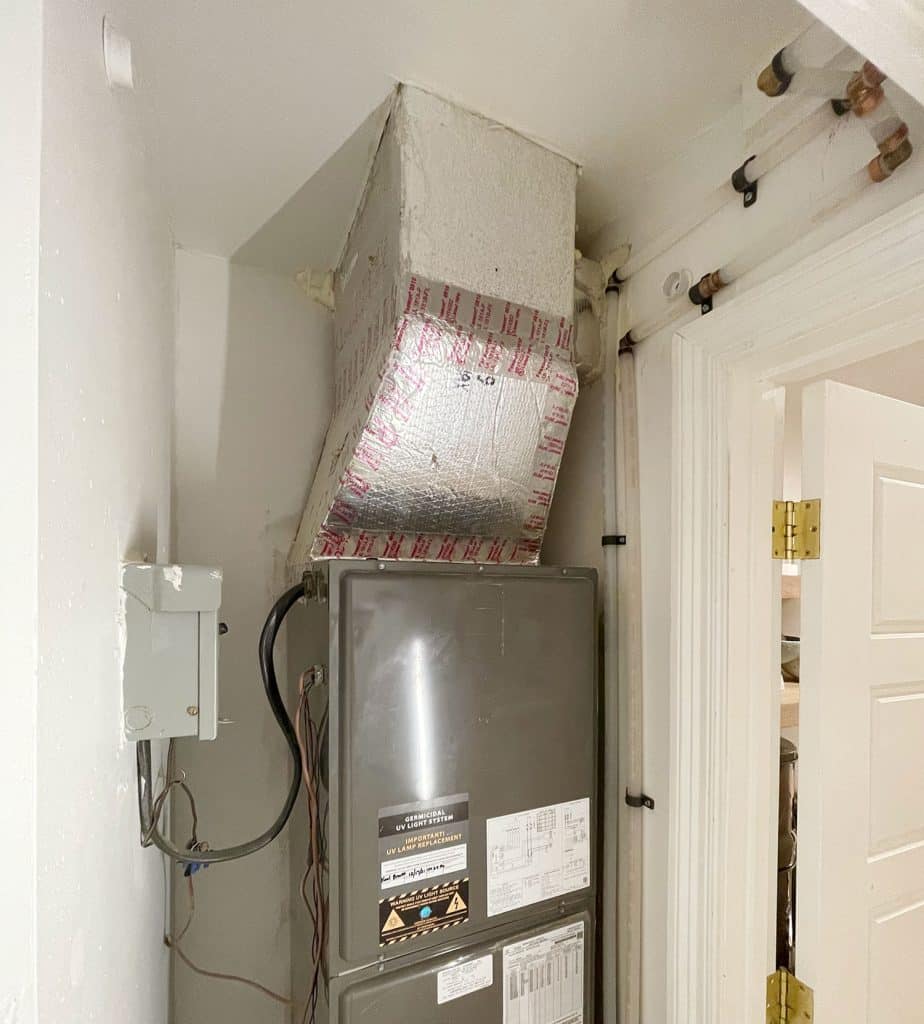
896	374
249	100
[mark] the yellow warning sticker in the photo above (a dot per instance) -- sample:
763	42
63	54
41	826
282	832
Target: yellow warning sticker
393	922
456	904
413	914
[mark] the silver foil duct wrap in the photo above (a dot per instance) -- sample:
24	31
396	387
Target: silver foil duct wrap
448	433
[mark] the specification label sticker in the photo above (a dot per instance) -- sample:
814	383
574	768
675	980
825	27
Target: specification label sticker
537	855
464	979
420	842
544	978
412	914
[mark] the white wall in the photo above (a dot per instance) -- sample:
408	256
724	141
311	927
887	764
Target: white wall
254	386
576	516
20	124
668	193
104	410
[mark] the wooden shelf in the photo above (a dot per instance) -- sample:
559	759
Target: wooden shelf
789	706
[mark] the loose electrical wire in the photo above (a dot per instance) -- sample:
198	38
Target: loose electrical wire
309	752
304	740
172	942
310	736
150	810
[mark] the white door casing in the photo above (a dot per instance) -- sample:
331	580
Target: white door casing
860	929
859	297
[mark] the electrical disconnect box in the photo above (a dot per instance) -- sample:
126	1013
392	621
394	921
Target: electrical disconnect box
458	791
170	668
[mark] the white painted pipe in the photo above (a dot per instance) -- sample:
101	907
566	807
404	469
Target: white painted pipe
798	54
777	153
630	709
882	122
828	83
613	922
789	232
674	309
790	143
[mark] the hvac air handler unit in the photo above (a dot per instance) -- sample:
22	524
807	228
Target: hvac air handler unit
452	726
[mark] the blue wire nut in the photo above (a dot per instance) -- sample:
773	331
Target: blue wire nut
191	868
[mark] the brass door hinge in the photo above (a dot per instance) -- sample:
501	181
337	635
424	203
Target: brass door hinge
789	1001
797	529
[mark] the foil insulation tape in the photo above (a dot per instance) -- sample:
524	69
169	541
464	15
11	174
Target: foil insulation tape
449	432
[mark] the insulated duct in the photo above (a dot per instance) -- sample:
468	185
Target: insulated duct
455	382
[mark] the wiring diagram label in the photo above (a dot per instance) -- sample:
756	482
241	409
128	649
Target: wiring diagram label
412	914
473	975
537	855
420	842
544	978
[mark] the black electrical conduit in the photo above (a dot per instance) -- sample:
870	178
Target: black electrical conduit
150	834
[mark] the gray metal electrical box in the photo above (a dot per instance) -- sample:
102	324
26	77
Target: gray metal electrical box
461	784
170	669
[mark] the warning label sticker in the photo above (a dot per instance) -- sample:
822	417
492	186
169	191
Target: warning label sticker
420	842
412	914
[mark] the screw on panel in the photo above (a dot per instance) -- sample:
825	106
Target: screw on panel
192	710
381	565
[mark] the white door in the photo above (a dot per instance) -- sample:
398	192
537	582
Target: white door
860	927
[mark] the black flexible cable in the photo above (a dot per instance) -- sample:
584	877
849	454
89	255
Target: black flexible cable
149	825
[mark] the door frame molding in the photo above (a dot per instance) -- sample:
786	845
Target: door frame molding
859	297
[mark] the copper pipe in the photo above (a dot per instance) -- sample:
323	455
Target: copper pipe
872	75
885	165
706	287
775	79
890	144
864	91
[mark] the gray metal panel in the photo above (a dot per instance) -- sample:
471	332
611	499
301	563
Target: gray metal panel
452	680
307	644
169	671
406	992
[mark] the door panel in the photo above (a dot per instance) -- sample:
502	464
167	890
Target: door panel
898	569
861	802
